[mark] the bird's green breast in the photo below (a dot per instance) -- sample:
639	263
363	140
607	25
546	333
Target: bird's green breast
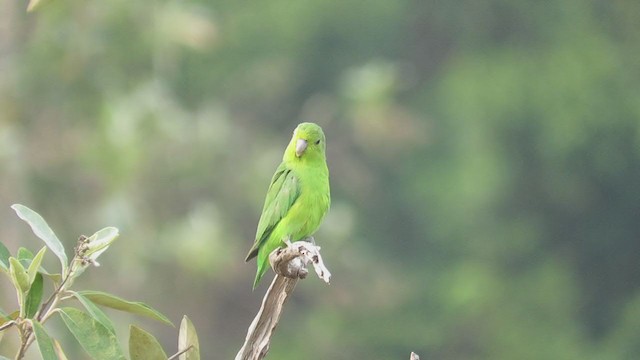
314	203
310	208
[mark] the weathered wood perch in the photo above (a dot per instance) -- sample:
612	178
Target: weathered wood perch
289	263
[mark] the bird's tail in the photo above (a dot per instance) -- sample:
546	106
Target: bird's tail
262	269
253	252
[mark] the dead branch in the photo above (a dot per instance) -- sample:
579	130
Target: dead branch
289	263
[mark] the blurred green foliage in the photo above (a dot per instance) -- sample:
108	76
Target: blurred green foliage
483	155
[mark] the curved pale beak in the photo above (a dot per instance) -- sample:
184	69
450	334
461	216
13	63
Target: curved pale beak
301	146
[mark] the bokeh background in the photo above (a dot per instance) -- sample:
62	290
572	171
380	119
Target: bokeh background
484	158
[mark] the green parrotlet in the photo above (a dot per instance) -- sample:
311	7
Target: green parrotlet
298	197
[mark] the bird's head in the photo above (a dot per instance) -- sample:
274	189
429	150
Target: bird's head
307	143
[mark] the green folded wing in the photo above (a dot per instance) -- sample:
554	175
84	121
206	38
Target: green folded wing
282	194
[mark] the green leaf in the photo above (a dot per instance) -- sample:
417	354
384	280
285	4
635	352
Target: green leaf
44	342
117	303
18	275
26	260
14	315
34	297
43	231
95	311
4	319
56	278
35	264
95	339
24	254
144	346
3	358
4	257
100	241
186	338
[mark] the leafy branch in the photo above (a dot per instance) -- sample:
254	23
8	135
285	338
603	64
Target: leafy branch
91	327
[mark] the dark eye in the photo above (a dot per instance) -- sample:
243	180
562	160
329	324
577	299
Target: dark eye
318	142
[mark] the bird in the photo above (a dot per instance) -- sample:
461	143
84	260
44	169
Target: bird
298	197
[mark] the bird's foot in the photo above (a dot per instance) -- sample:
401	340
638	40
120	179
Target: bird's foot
290	261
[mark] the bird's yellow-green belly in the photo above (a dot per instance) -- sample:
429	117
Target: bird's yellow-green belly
303	220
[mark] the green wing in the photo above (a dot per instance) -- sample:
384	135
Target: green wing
282	194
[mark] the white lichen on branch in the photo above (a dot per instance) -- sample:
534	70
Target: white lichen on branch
291	261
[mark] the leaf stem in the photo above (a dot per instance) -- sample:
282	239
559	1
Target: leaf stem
7	325
26	340
54	298
47	309
175	356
